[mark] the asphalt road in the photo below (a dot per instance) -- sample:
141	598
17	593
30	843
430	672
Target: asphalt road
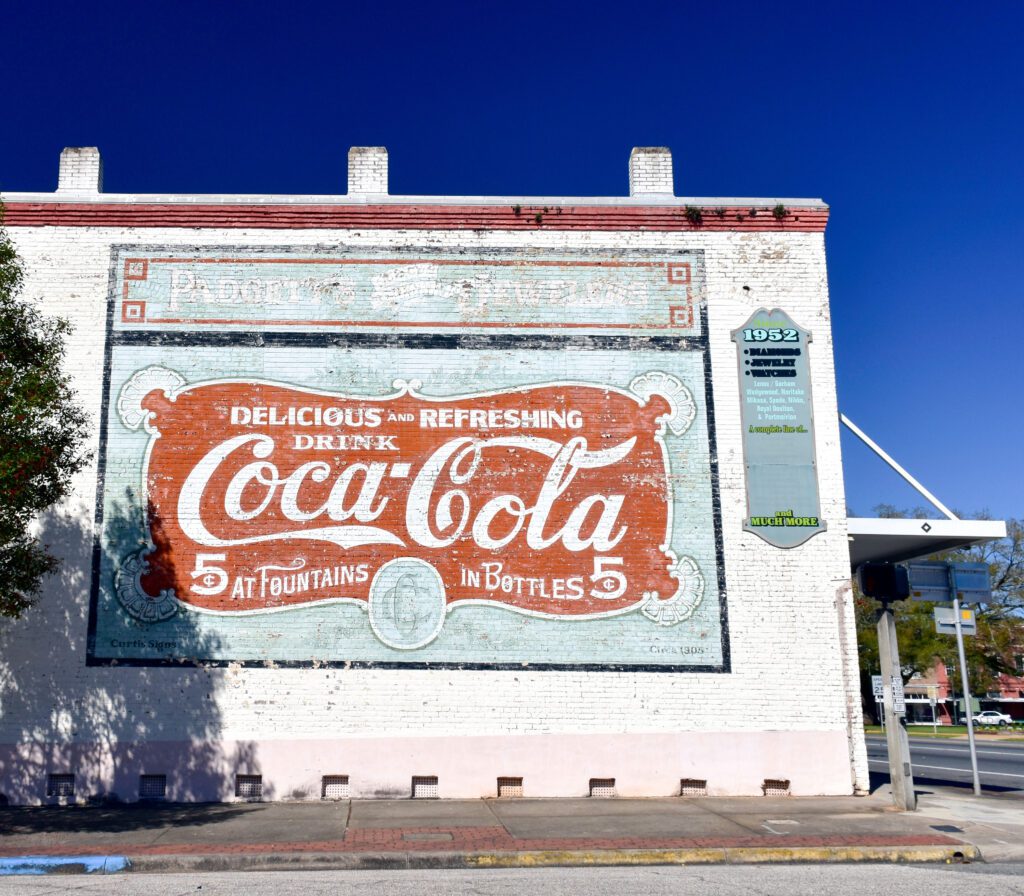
1000	766
729	880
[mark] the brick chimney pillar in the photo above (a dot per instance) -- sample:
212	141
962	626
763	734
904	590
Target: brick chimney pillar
81	170
367	170
650	171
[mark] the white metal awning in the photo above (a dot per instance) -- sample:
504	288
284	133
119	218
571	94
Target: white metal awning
893	540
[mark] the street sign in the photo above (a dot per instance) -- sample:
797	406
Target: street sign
931	581
945	621
899	701
876	687
972	581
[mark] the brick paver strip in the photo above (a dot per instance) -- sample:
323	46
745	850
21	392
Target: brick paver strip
491	839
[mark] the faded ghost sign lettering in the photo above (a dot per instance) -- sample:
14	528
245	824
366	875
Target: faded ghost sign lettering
477	503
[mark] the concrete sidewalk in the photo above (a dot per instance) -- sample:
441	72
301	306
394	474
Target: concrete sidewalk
496	833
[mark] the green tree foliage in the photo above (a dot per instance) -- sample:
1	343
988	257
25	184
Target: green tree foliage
1005	559
42	432
1000	637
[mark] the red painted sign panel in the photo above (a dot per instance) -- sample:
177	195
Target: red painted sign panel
543	498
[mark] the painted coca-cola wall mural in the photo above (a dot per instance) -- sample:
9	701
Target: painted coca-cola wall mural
370	457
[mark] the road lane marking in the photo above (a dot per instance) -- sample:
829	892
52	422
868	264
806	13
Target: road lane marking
1007	751
999	757
943	768
954	741
951	743
979	752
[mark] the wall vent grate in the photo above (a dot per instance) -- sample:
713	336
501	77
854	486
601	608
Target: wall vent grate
249	787
693	787
602	787
335	787
152	787
424	787
61	786
510	787
775	787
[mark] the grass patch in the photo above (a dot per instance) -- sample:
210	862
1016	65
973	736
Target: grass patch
951	731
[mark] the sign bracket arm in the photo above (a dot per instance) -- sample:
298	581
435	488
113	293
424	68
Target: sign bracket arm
920	489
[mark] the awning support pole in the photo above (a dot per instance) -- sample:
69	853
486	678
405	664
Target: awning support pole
860	434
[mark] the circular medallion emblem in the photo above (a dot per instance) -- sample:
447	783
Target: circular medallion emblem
407	603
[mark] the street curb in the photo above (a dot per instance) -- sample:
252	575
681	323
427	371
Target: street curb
38	865
730	856
949	854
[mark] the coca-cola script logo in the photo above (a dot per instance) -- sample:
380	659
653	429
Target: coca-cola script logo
552	499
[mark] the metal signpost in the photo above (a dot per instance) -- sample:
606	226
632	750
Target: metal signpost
963	676
952	582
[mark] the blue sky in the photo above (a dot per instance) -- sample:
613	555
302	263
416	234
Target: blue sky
905	117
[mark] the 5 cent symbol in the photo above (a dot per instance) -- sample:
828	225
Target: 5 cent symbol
212	579
609	584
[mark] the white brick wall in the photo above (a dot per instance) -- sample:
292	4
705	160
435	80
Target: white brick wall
787	609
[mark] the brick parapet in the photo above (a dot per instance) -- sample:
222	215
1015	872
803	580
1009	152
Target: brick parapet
532	218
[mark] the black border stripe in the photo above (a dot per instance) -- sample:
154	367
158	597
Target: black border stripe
716	496
482	341
101	466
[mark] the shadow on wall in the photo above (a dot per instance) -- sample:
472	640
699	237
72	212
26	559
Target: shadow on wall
106	725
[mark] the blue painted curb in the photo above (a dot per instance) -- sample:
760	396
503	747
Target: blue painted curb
63	864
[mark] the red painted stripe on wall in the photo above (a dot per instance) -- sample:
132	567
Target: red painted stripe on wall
412	217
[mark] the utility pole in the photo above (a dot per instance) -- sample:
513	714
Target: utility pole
887	583
901	775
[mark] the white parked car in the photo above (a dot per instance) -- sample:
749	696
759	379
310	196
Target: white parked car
991	717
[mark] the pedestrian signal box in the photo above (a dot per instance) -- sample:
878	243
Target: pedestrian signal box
883	581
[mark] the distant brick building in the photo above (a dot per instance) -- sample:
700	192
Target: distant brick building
942	685
445	490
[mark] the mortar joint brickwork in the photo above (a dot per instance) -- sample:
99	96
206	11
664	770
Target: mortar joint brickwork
81	170
367	170
650	171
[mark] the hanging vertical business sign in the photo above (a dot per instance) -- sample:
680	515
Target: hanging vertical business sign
778	429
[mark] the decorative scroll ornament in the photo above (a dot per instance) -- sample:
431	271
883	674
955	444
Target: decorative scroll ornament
671	388
406	387
136	602
681	605
129	403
